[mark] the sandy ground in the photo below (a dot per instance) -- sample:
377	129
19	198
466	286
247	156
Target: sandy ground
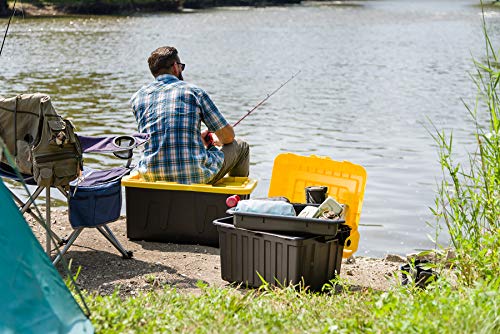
157	264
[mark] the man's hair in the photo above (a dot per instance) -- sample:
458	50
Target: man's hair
162	59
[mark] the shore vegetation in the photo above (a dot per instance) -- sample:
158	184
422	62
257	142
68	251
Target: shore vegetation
117	7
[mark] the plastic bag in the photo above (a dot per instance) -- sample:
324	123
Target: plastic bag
265	207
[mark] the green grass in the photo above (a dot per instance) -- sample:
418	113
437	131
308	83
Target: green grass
440	308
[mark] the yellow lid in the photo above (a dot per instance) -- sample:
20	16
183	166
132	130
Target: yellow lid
345	181
228	185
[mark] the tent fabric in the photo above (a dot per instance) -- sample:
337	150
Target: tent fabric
33	296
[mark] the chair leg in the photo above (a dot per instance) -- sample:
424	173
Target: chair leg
106	232
25	207
71	240
31	200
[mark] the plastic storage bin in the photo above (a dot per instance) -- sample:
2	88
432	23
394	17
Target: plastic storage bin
286	224
279	259
178	213
345	181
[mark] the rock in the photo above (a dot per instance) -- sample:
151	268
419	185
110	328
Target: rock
349	272
394	258
350	260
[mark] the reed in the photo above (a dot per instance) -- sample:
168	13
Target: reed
468	199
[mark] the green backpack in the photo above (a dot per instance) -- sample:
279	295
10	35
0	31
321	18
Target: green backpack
43	143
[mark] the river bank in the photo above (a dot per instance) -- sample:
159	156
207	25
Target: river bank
156	265
34	8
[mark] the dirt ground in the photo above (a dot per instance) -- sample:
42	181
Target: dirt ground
157	264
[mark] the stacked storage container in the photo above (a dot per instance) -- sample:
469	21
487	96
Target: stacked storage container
283	250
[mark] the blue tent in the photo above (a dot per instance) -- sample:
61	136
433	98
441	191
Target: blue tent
33	296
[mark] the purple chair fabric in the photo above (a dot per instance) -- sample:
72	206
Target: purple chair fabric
111	144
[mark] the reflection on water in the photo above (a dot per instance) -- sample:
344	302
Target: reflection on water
372	74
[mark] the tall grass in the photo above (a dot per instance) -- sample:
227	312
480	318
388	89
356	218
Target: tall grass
468	199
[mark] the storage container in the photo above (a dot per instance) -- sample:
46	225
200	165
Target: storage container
345	181
178	213
286	224
279	259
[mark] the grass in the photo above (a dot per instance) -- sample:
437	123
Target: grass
440	308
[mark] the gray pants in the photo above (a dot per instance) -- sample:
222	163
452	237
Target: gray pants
236	160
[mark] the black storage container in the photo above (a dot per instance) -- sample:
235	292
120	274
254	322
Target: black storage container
279	259
177	213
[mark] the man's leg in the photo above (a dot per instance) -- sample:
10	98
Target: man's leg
236	160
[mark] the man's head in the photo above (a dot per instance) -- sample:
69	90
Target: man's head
165	60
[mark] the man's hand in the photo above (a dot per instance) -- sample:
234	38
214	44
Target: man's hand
207	141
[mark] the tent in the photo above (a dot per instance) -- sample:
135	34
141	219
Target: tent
33	296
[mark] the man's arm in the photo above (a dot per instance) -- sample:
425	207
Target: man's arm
225	135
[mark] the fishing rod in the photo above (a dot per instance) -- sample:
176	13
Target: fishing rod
266	98
8	25
209	139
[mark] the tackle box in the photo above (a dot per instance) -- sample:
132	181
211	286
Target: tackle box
345	181
179	213
286	224
248	255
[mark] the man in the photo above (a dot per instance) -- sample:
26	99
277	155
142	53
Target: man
171	111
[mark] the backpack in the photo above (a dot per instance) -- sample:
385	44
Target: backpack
43	143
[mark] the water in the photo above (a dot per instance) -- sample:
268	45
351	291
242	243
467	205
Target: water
373	73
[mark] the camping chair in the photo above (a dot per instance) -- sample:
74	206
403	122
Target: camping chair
94	197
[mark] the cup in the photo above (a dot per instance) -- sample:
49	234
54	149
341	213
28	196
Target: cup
316	194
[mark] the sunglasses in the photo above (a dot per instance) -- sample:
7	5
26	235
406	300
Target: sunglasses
183	66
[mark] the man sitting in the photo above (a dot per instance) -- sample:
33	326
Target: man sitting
171	111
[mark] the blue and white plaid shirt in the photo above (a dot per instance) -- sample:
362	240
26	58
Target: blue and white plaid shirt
171	111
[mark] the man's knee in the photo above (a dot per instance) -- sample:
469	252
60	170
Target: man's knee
244	147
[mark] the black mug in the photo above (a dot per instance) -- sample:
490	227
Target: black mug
316	194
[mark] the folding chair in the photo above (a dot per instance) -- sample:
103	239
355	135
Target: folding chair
94	198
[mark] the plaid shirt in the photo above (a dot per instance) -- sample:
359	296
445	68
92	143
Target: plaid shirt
171	111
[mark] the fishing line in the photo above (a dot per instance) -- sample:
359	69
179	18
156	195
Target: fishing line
8	25
209	138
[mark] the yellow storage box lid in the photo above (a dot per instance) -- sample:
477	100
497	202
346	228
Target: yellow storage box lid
228	185
345	181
